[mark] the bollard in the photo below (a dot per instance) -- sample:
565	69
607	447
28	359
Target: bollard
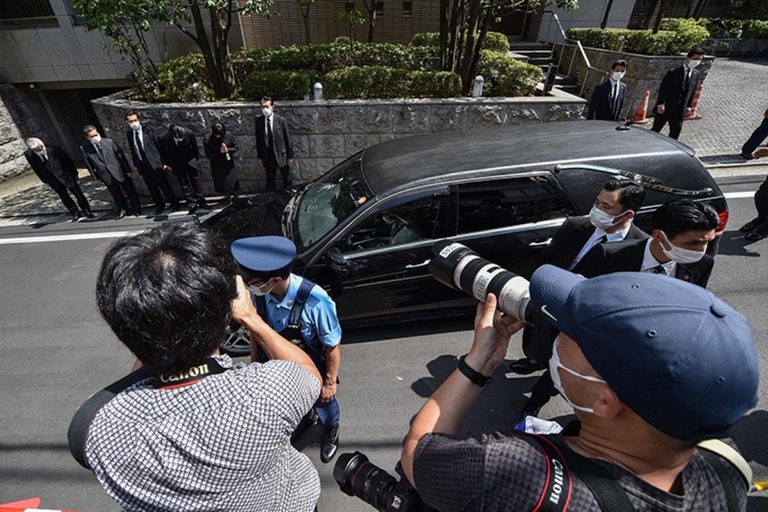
317	91
477	88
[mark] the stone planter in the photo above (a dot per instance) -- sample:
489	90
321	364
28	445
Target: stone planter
645	72
737	47
326	132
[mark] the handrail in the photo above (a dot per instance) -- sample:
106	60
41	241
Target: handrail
559	25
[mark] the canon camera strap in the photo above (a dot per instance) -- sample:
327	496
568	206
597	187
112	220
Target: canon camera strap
77	434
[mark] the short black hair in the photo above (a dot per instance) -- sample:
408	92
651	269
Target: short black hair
681	215
177	132
696	50
631	195
132	113
218	129
167	294
268	99
620	62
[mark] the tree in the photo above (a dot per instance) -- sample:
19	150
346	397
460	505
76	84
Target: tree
304	6
464	25
370	8
352	16
127	22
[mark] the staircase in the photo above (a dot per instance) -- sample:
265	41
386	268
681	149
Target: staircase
540	54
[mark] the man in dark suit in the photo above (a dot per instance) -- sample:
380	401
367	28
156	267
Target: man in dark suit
107	163
54	168
681	231
676	94
273	144
607	102
180	151
609	220
146	150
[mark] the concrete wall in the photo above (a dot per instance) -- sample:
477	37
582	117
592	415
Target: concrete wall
737	47
645	72
21	116
589	14
326	132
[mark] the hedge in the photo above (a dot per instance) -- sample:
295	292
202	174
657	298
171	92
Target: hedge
286	85
729	28
494	41
355	82
176	79
682	36
505	76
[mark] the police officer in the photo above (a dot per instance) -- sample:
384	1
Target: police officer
300	311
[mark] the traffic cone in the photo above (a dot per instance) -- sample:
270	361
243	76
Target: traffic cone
692	114
642	110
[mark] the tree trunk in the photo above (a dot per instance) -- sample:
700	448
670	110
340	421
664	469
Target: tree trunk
371	21
662	9
305	16
604	23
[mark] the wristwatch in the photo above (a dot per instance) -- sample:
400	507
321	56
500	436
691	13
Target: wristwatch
474	376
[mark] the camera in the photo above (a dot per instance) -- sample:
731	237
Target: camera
457	266
357	476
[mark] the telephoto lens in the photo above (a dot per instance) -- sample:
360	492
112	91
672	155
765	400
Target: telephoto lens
457	266
359	477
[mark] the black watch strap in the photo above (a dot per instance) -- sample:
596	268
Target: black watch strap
474	376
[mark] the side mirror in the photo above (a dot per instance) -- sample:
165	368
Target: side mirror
338	262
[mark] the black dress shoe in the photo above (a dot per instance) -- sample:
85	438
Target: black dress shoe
754	236
330	444
89	214
159	210
751	225
176	208
524	366
192	209
120	215
75	217
137	213
746	156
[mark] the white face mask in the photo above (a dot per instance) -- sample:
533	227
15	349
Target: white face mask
617	75
258	291
135	125
693	63
96	139
602	220
177	140
554	371
266	111
678	254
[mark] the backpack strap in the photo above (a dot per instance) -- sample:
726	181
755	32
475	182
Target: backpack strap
716	453
301	299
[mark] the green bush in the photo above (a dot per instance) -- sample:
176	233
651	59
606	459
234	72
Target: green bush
356	82
176	79
426	39
285	85
755	29
729	28
682	36
505	76
494	41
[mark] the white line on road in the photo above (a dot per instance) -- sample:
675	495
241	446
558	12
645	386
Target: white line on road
739	195
65	238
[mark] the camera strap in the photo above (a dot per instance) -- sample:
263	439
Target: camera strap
561	464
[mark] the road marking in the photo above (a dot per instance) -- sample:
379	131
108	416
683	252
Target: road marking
66	238
739	195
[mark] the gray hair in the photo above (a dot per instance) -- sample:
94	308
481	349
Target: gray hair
89	128
33	142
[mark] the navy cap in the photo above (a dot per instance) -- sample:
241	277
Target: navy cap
675	354
263	254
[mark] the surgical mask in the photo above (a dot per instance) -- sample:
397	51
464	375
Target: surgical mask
266	111
258	291
177	140
617	75
555	365
96	139
693	63
678	254
135	125
599	219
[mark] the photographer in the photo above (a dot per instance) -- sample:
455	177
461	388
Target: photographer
651	366
201	433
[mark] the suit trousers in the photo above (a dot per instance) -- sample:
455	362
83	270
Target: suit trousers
758	136
62	189
190	184
270	165
156	181
116	189
675	120
761	205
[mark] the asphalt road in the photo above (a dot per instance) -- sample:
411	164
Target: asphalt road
57	351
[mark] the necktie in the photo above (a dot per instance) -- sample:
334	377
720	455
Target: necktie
615	106
602	240
45	158
269	133
687	78
138	144
98	148
659	269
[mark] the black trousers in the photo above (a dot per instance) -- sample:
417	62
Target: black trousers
116	189
156	181
190	183
675	120
761	205
63	191
271	167
758	136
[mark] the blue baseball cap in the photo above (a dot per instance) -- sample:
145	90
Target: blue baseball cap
679	357
262	255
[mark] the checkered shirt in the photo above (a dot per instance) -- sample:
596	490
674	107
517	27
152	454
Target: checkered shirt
221	444
506	472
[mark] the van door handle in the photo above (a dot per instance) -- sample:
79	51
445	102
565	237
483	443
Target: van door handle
540	244
418	265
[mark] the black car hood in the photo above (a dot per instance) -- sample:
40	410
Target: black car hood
255	216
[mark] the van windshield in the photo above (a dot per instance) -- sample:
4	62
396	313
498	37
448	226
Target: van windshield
330	200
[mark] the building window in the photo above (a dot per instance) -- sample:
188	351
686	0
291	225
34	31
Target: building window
26	13
379	8
407	7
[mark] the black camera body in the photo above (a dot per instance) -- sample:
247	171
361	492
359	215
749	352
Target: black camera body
357	476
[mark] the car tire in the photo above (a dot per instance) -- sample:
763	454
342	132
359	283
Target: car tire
238	341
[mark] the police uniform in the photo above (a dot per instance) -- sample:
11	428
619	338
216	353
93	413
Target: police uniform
306	315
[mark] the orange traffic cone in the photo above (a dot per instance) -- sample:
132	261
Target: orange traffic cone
642	110
692	113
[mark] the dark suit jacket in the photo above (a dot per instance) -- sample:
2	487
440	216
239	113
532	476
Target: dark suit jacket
600	103
673	94
212	147
282	137
152	148
60	168
179	155
110	164
628	257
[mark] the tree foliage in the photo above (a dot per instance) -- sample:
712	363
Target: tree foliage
464	25
206	22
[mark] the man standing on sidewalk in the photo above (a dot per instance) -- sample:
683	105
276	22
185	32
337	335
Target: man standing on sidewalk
107	163
54	168
181	156
273	144
607	101
676	94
